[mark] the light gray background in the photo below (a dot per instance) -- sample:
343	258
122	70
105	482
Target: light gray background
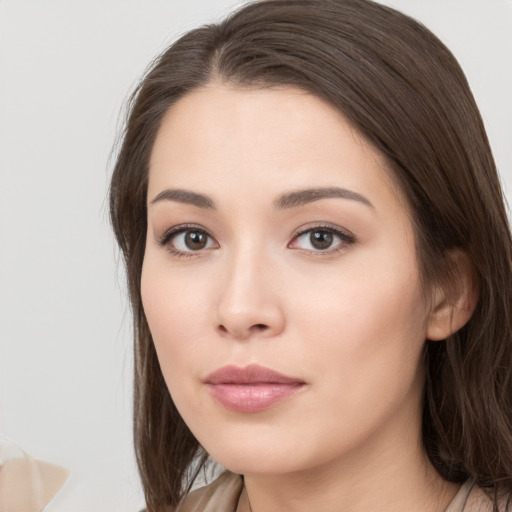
66	67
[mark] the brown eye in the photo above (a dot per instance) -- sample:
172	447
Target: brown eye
183	240
321	239
195	240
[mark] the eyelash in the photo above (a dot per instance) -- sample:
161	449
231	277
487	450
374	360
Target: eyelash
177	230
346	239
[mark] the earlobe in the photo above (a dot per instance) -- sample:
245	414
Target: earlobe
454	303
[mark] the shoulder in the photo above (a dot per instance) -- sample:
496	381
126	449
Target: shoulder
222	494
480	501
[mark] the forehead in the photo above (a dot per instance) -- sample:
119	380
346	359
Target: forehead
220	137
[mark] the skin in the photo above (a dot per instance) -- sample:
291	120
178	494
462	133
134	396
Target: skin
349	321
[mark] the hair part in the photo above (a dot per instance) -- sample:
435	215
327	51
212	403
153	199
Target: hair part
402	89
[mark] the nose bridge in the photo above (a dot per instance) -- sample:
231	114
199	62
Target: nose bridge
249	303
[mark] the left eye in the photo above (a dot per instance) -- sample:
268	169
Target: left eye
321	239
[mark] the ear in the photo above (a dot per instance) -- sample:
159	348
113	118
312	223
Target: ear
455	300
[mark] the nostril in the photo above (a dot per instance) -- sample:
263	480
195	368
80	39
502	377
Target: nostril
242	331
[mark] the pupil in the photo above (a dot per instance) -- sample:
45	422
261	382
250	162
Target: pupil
195	240
321	239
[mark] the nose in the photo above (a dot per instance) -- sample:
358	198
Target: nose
249	303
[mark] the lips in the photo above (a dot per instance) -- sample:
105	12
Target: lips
252	388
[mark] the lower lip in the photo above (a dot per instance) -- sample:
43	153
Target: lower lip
252	397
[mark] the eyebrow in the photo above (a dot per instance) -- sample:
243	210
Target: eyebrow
309	195
185	196
288	200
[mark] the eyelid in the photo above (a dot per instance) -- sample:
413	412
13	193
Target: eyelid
169	234
347	238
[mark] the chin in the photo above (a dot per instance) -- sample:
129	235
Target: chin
258	464
267	456
243	459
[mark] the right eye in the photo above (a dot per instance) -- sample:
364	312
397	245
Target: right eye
185	241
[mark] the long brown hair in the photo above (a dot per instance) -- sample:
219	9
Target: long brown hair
404	91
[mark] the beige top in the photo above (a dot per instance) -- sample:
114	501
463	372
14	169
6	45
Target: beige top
227	494
28	485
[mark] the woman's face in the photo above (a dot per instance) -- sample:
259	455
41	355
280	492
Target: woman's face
280	282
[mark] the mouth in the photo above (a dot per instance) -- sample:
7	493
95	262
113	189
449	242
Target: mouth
252	388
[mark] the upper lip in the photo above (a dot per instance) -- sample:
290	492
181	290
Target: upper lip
252	374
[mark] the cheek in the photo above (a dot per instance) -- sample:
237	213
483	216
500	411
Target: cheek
374	296
368	327
363	341
175	315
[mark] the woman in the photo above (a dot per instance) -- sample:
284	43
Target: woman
318	260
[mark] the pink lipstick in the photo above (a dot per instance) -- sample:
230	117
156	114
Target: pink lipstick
252	388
